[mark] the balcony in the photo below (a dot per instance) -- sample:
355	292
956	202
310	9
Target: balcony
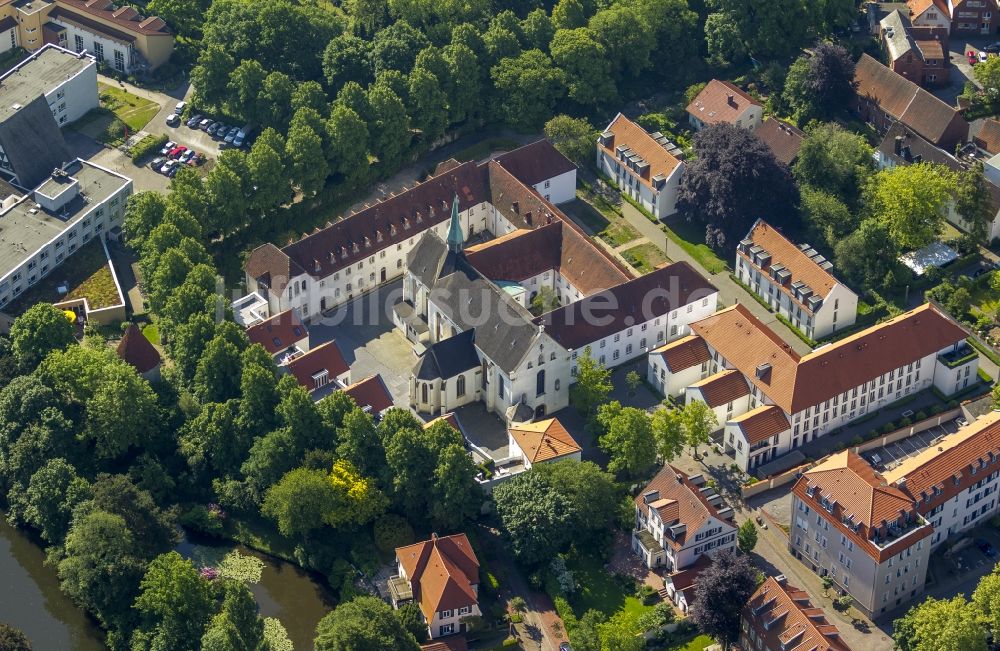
647	541
400	590
958	357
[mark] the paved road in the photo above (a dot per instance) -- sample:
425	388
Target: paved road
729	292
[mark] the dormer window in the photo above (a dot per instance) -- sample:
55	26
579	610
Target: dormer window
420	218
392	229
343	252
355	247
406	224
368	242
378	236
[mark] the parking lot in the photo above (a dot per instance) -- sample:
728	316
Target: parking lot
890	456
959	570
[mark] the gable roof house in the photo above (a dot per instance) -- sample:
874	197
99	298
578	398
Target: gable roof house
779	617
283	336
441	576
371	395
135	349
783	139
883	97
723	101
646	167
542	442
321	367
679	519
914	52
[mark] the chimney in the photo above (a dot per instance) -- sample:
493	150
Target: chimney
899	144
731	99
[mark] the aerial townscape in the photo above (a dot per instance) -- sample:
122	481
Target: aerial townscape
415	325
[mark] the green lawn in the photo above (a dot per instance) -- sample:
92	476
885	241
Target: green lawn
604	222
691	238
644	257
131	109
698	643
11	58
152	333
86	274
619	232
599	591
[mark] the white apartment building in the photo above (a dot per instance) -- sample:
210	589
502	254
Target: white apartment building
914	508
678	519
68	80
647	168
722	101
42	228
823	390
795	281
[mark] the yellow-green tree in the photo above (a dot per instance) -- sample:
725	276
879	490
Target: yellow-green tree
911	201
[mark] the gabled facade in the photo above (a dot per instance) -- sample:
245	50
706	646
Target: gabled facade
795	281
544	441
779	617
283	336
973	16
442	576
821	391
646	167
678	519
916	53
723	101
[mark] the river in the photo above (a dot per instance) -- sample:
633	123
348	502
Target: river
30	598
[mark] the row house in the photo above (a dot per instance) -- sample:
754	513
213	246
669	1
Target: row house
723	101
646	167
441	576
78	202
917	506
914	52
780	617
823	390
972	16
679	519
795	282
883	97
121	37
849	523
368	249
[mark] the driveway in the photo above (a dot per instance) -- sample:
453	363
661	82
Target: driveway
143	178
371	345
960	572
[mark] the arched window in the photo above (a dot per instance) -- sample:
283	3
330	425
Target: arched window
541	359
552	357
540	383
557	384
423	393
460	385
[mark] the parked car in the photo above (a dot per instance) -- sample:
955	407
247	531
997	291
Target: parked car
180	108
167	147
177	151
231	136
197	159
973	59
241	136
188	155
220	131
992	48
173	120
986	548
983	57
564	646
193	121
205	124
167	166
157	162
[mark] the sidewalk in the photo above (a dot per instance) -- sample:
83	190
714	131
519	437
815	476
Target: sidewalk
729	292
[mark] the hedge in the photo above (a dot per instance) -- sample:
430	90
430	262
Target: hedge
147	146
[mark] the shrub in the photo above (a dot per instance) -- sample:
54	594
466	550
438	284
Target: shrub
392	531
936	409
646	594
199	519
952	404
921	416
490	581
857	440
905	421
510	642
147	146
888	427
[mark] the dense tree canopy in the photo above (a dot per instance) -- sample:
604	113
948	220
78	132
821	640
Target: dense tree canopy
361	624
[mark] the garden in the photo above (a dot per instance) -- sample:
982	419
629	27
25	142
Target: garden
121	113
85	274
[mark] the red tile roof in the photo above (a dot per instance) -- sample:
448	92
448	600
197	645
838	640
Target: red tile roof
325	357
784	252
631	303
720	101
762	423
449	643
626	132
130	21
684	353
858	493
988	137
544	440
784	618
442	573
451	418
556	246
372	393
918	7
135	349
723	387
278	333
783	139
681	500
535	162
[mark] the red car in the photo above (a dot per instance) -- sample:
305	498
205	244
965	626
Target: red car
177	151
973	59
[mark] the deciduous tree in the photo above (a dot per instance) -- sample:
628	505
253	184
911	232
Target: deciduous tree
593	384
746	536
361	624
42	329
174	605
720	594
573	137
911	201
531	86
699	422
628	439
537	520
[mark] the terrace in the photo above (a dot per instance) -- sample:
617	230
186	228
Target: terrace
958	357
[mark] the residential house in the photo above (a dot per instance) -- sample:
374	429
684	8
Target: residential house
368	249
854	526
973	16
371	395
441	576
876	11
544	441
678	519
883	97
823	390
914	52
135	349
540	166
283	336
645	167
722	101
320	367
930	14
679	587
121	37
795	281
986	137
73	204
673	367
783	139
779	617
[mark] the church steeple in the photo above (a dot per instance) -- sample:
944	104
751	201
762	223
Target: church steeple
455	239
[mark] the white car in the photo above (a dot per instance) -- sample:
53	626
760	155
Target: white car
180	107
173	120
983	57
167	147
